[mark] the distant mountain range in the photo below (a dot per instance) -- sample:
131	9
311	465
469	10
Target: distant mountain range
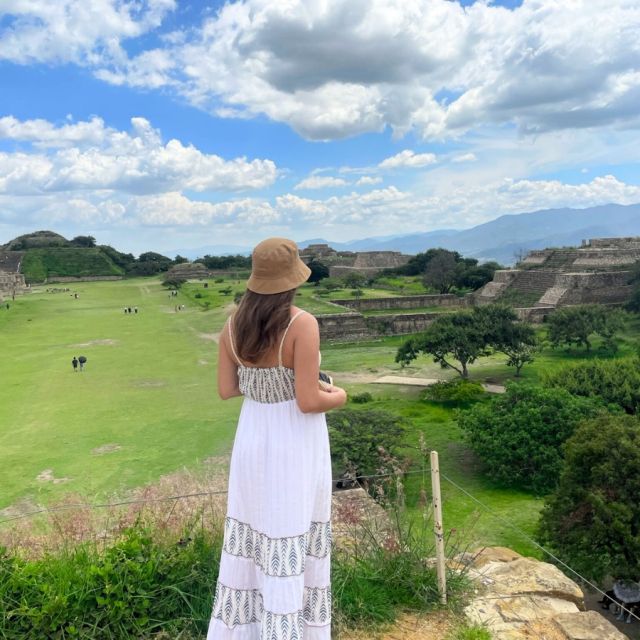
501	239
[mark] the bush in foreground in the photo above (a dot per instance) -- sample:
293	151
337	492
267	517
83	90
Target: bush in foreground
138	586
360	439
592	520
150	582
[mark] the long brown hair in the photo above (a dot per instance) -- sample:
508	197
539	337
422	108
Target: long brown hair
259	321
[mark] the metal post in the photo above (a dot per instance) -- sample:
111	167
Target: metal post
437	527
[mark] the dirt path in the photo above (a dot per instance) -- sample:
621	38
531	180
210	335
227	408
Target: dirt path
409	626
369	378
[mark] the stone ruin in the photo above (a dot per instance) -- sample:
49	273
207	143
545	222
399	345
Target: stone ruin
341	263
596	272
12	282
189	271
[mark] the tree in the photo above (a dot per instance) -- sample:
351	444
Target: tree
518	435
592	520
84	241
226	262
465	336
517	340
354	280
356	437
173	282
332	284
123	260
474	277
454	337
180	259
614	381
575	325
318	271
150	263
441	271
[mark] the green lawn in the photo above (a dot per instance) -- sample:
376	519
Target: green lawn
149	387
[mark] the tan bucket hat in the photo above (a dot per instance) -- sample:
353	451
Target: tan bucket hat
276	267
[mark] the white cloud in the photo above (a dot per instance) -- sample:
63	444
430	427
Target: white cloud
338	69
320	182
368	180
89	155
245	220
176	209
465	157
79	31
408	158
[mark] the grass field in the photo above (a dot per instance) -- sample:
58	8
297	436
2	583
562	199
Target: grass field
148	388
148	398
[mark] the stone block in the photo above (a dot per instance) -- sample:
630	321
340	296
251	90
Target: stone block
587	625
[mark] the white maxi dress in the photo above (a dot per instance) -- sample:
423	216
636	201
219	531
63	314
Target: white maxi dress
274	580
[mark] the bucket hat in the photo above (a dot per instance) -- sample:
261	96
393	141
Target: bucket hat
276	267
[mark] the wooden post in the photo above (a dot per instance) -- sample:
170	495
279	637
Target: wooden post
437	527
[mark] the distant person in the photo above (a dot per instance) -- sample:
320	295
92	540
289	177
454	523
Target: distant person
82	360
135	309
74	364
129	308
125	310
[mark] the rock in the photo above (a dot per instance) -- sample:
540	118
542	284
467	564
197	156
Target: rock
491	610
482	556
587	625
526	576
524	599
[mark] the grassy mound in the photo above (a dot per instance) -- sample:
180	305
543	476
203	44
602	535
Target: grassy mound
41	264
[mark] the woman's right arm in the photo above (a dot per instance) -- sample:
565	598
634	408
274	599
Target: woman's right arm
306	347
227	368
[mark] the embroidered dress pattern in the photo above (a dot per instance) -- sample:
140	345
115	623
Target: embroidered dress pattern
244	606
274	579
277	556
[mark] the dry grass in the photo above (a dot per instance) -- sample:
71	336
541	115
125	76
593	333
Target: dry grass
71	520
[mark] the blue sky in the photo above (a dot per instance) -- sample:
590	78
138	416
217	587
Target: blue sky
159	124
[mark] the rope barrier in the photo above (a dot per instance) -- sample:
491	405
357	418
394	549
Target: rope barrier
488	509
80	505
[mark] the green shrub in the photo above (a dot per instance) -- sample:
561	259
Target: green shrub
135	587
198	295
457	391
219	280
469	633
592	520
519	435
615	381
357	437
361	398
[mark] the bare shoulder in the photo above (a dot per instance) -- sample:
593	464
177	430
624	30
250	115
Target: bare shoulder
305	322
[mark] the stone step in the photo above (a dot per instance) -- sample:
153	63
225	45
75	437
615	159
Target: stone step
552	296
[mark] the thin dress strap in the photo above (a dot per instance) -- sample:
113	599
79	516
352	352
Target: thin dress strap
284	335
233	349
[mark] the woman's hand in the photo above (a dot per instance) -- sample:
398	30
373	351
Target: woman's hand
338	396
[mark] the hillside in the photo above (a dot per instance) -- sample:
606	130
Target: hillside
501	239
43	255
41	264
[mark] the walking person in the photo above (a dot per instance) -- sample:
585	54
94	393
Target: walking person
82	360
74	364
274	579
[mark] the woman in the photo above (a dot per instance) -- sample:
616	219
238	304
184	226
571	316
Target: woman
274	579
